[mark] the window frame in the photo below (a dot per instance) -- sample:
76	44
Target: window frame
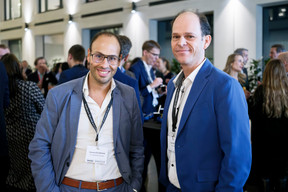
46	6
10	12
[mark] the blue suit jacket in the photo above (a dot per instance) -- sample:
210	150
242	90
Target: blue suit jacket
53	145
212	148
4	102
75	72
123	78
141	75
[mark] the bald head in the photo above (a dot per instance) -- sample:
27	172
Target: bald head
3	50
284	58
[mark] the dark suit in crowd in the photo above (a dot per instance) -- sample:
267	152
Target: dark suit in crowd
48	78
143	80
73	73
4	102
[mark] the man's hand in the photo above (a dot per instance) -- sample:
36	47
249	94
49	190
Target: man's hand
157	82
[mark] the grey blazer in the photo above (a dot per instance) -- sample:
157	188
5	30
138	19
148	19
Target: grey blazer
53	145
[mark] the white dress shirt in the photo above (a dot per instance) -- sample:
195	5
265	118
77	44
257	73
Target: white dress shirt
183	95
149	88
86	135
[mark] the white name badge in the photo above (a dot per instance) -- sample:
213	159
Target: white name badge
171	143
96	155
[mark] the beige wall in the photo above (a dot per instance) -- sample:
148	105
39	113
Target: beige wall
237	23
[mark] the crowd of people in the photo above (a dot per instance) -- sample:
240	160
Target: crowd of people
80	125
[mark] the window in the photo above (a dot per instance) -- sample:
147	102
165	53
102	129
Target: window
275	27
45	5
51	47
15	47
12	9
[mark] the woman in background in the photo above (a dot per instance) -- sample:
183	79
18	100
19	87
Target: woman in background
26	105
164	68
233	67
268	111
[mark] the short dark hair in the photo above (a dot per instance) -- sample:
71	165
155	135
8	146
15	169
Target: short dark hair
279	48
105	33
39	58
125	45
240	51
205	26
77	52
148	45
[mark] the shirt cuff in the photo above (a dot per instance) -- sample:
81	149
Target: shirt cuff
149	88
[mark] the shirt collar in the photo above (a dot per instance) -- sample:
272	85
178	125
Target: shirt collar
191	76
86	89
147	66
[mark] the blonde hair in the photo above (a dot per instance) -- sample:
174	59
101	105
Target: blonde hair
275	84
228	68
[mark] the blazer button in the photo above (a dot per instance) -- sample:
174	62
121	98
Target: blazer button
67	164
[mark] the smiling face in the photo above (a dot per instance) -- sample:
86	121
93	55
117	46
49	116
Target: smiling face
188	44
238	64
102	73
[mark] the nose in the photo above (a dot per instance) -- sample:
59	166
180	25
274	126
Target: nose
182	41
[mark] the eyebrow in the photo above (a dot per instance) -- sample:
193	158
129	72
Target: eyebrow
186	33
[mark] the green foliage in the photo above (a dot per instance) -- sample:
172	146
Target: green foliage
175	68
255	73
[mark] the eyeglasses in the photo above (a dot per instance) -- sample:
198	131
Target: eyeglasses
99	58
154	54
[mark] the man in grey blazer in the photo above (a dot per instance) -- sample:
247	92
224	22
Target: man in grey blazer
89	136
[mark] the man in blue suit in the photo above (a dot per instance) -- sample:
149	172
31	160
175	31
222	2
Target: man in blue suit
121	74
89	136
76	56
205	138
146	79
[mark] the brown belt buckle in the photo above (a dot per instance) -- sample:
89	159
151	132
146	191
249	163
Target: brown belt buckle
98	187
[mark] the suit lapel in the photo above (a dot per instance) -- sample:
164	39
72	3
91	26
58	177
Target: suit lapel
75	105
166	109
117	99
144	73
198	85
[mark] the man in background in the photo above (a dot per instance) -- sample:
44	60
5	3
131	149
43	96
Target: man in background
26	69
275	50
75	59
3	50
44	78
143	70
123	75
284	58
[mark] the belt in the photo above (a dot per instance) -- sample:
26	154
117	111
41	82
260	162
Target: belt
99	186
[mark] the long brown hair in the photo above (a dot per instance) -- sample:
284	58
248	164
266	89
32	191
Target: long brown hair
275	84
228	67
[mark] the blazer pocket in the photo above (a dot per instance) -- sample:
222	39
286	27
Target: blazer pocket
208	175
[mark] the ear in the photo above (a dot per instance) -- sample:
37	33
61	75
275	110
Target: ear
207	41
126	58
70	56
88	55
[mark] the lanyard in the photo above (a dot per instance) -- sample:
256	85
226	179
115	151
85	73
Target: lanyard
91	118
175	109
